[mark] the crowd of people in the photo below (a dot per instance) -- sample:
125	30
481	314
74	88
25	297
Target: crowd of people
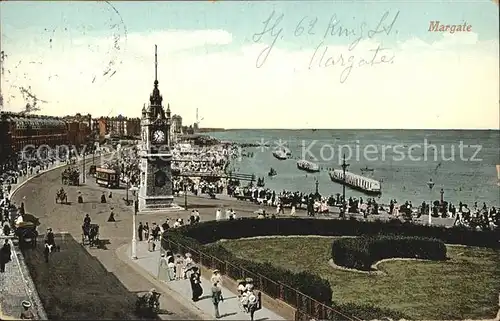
207	166
176	267
479	217
314	203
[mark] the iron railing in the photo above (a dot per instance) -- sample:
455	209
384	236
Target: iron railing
307	308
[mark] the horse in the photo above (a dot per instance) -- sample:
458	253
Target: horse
91	233
62	197
27	236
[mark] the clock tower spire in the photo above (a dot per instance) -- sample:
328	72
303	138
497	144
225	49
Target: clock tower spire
155	99
156	66
155	193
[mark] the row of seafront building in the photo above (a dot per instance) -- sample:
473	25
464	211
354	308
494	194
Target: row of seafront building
19	130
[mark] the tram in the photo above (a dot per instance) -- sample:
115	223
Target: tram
107	177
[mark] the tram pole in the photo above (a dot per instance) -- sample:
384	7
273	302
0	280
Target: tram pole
185	196
344	167
128	186
134	228
83	178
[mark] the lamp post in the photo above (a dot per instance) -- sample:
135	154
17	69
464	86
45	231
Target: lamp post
93	151
344	167
317	186
128	186
134	236
431	184
83	174
185	194
442	196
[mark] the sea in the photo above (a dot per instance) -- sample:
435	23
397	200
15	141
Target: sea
462	164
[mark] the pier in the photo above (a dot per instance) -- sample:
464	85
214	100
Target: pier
363	184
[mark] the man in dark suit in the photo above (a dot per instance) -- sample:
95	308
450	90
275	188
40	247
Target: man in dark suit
5	255
140	229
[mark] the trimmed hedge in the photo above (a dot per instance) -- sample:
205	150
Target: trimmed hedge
196	236
362	252
212	231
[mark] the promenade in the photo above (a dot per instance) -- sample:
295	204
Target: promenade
229	309
38	196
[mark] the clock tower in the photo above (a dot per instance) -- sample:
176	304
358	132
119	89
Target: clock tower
155	192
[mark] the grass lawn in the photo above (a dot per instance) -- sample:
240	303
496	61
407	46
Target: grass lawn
75	286
466	286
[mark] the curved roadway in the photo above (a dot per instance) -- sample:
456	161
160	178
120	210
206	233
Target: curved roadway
38	196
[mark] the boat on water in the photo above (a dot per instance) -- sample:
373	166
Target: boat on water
272	172
280	154
307	166
357	182
366	169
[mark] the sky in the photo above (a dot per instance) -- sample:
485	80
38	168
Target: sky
314	64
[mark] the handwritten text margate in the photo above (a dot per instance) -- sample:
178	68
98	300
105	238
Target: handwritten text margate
325	56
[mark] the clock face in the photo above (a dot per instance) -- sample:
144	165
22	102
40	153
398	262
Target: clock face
159	136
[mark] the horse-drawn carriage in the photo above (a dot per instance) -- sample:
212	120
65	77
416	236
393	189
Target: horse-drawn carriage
61	197
70	176
148	304
90	235
27	234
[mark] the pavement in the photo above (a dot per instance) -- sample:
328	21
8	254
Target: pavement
16	284
229	309
15	288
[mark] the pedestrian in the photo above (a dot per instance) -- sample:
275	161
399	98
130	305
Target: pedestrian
6	229
46	252
163	269
154	231
5	255
252	304
216	298
26	314
195	281
151	244
216	278
111	217
179	267
165	225
240	289
146	231
218	215
140	230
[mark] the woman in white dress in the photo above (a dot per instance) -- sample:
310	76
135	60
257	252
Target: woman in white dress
179	267
163	269
292	211
218	215
188	263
